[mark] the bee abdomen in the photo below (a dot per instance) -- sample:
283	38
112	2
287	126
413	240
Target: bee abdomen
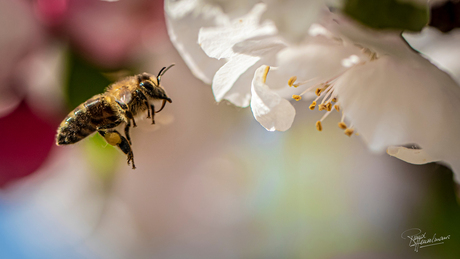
75	127
84	120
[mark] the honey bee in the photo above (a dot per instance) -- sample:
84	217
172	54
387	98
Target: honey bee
119	104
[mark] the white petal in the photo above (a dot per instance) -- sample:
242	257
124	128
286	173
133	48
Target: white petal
294	17
217	42
395	102
184	19
412	156
260	46
319	58
354	33
226	77
268	108
234	8
440	48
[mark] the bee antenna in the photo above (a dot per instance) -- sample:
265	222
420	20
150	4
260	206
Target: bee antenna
163	71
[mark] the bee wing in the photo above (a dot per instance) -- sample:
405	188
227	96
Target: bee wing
124	95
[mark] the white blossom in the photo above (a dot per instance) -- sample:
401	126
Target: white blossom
184	18
386	91
270	109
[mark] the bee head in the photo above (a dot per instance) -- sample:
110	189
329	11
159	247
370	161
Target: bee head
151	84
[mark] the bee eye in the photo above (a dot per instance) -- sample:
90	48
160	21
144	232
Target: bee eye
147	85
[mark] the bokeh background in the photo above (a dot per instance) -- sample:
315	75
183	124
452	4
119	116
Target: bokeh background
210	181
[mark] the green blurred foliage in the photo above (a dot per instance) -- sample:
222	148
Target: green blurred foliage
84	80
102	157
388	14
441	215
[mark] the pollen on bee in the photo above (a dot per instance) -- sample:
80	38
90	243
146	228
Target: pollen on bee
292	80
342	125
312	105
329	107
349	132
112	138
296	97
319	127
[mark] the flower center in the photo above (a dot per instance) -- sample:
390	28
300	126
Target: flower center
326	100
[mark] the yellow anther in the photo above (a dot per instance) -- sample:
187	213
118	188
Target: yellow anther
319	127
266	73
334	99
342	125
312	105
349	132
329	107
297	97
322	107
318	91
337	107
292	80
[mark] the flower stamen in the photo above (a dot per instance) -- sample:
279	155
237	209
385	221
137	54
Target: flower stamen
325	115
349	131
267	69
319	127
296	97
342	125
318	91
291	81
328	93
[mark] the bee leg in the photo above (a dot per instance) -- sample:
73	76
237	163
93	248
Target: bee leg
114	138
127	112
127	132
148	109
153	113
146	102
131	117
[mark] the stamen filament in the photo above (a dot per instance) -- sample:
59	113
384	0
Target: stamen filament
325	115
308	89
328	93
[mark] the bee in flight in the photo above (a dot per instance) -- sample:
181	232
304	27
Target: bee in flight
119	104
